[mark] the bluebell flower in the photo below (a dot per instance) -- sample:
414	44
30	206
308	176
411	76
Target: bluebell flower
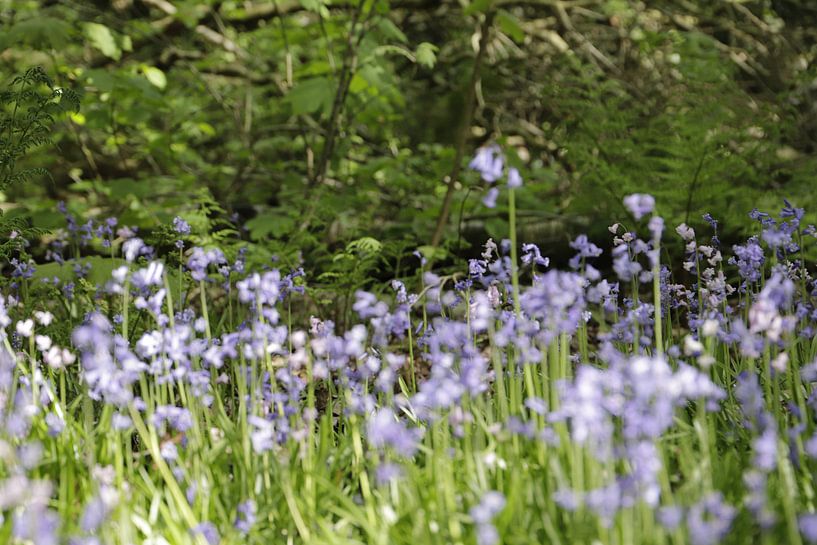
625	268
487	534
711	221
179	418
383	429
96	512
790	211
807	523
488	162
37	524
22	269
489	506
749	259
531	255
670	517
209	531
133	248
489	200
709	520
585	247
514	179
556	299
246	516
387	472
639	204
367	305
55	424
180	226
757	501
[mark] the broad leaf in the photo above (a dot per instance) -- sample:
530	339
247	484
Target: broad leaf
103	39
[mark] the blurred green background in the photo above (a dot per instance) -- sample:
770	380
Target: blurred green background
324	133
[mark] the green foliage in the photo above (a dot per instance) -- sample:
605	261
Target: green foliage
314	124
28	110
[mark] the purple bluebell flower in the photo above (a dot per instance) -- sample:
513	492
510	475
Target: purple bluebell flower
807	523
96	512
639	204
133	248
263	435
585	247
263	289
488	162
209	531
387	472
514	179
246	516
108	365
567	499
55	424
776	237
22	269
383	429
556	299
121	422
625	268
749	259
709	520
765	448
686	232
148	276
656	227
531	255
765	313
200	259
180	226
489	506
178	418
489	200
670	517
37	524
639	396
791	211
487	534
757	501
711	221
367	306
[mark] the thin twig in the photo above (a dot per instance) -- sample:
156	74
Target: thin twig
693	185
346	74
462	138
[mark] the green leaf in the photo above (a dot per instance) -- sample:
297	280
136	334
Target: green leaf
390	30
155	76
39	32
102	39
478	6
104	81
510	25
273	223
316	6
430	252
311	95
426	54
100	272
358	84
365	245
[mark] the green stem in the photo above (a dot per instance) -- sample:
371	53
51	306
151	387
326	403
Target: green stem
514	265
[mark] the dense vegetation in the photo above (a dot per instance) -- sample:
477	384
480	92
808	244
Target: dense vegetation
248	298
